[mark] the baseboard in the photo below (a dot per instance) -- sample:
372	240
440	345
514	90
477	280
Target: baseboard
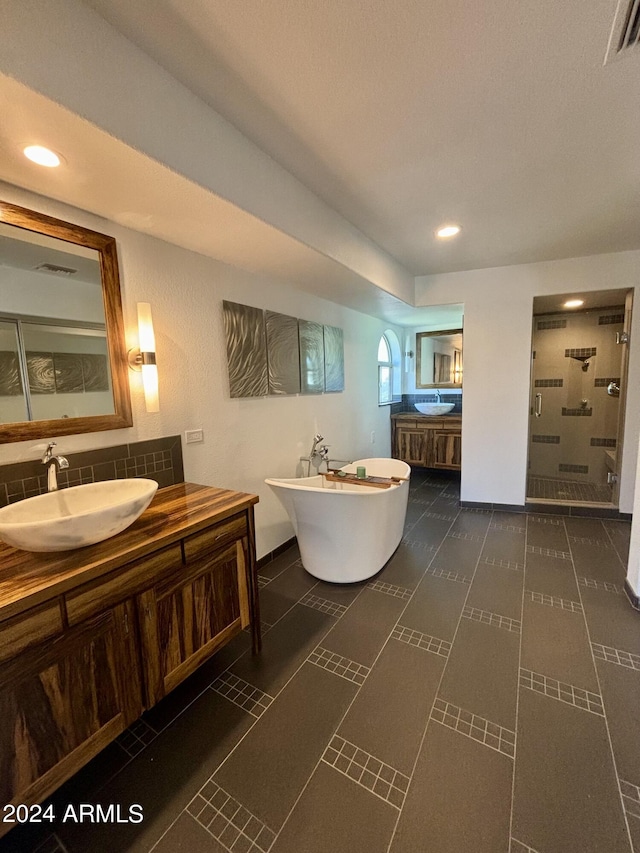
552	509
633	598
268	558
492	506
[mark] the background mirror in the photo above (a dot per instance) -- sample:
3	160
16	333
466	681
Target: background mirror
62	352
439	359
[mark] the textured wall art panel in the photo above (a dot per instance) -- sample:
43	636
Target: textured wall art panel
67	368
246	350
41	374
95	372
51	373
10	385
311	357
333	359
283	357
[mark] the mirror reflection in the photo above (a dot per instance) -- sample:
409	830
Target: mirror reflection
439	359
55	364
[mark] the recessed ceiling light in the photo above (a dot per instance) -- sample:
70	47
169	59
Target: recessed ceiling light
573	303
42	156
448	231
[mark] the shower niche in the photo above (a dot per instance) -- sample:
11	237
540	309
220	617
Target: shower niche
578	381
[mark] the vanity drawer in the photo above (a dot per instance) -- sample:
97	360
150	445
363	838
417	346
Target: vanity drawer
29	628
97	596
201	545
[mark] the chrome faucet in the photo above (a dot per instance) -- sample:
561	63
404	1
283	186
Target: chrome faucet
323	453
317	438
439	398
317	454
52	462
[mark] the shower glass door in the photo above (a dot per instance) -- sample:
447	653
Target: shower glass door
578	362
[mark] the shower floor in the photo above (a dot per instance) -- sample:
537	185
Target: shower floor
546	488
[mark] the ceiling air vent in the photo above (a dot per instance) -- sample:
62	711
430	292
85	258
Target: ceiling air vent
54	268
625	33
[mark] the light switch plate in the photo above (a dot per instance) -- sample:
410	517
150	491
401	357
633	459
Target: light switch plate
193	436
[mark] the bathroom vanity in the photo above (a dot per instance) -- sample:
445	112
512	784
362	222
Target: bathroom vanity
429	442
89	639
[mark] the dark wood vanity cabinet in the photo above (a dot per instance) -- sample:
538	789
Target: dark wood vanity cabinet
429	442
110	638
410	444
184	617
446	449
63	700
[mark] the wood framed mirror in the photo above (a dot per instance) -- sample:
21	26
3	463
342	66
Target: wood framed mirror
439	359
63	358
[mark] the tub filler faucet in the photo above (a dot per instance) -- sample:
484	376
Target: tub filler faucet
52	462
318	454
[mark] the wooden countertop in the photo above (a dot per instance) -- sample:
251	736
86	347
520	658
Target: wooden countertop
28	579
418	416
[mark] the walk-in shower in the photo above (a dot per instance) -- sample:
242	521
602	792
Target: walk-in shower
578	384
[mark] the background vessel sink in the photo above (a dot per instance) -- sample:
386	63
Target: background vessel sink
434	408
75	517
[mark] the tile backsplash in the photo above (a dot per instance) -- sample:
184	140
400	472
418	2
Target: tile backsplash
409	400
159	459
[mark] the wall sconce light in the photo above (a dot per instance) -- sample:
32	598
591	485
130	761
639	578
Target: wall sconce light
144	357
408	356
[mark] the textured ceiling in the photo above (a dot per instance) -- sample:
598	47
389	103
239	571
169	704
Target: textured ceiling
403	114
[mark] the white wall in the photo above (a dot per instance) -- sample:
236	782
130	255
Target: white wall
498	307
245	440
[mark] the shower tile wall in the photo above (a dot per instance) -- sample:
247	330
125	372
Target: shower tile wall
570	440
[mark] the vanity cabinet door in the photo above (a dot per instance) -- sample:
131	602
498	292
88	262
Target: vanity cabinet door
62	701
411	444
187	615
446	449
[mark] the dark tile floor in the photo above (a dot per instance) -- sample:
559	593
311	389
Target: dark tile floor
480	694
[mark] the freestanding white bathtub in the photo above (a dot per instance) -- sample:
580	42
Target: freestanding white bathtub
346	533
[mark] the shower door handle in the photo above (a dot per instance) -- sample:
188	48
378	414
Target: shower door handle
538	405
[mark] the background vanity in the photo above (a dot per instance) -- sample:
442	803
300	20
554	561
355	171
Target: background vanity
429	442
423	440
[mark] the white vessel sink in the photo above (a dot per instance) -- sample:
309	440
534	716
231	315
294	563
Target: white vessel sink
434	408
75	517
